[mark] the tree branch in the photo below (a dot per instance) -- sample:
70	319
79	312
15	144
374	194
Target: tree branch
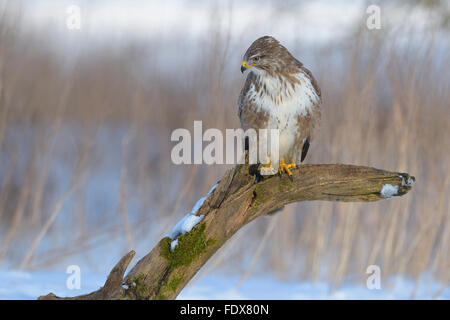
236	201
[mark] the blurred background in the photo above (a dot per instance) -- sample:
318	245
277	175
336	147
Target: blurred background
86	117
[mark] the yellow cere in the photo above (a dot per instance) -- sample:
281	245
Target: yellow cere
245	65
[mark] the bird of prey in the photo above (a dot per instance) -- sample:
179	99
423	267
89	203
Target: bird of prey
279	93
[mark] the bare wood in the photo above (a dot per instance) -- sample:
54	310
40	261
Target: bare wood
236	201
113	285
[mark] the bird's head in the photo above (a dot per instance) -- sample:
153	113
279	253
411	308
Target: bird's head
266	54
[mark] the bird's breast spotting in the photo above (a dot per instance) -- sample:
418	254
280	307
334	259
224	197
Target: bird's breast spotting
284	101
284	98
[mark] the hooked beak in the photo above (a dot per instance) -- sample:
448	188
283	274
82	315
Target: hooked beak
245	66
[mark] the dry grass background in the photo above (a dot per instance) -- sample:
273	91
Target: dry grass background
97	123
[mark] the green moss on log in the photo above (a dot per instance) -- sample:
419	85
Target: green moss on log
190	246
175	282
137	289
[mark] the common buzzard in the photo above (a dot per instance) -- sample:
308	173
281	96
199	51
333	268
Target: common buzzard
279	93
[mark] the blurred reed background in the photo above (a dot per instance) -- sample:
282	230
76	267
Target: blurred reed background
85	169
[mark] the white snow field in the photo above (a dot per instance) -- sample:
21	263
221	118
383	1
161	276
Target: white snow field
30	285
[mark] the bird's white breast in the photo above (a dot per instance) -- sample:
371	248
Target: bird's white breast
284	102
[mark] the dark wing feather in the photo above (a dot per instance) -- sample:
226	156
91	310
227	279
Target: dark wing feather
305	149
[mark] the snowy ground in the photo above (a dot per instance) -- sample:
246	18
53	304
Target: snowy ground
24	285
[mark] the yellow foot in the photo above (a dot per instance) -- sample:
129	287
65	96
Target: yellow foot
283	167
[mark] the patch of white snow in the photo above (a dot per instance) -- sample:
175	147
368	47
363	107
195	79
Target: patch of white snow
190	220
173	244
388	191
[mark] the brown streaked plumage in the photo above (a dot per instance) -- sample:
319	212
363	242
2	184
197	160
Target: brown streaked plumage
279	93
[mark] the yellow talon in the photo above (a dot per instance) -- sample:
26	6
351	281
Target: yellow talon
283	167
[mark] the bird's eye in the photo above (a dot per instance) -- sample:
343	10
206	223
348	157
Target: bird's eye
257	58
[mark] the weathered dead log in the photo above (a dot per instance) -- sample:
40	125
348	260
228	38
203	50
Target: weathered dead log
236	201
